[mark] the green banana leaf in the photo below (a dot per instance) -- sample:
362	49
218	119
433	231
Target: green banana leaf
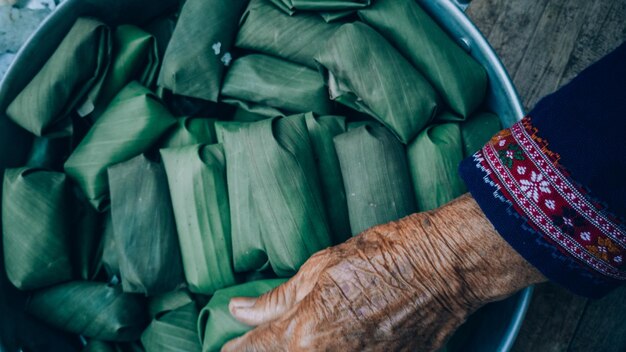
197	180
243	115
250	112
87	238
376	177
322	130
247	244
434	158
131	124
134	57
175	331
268	30
367	74
157	305
200	47
91	309
77	66
36	215
266	80
457	77
49	153
285	189
321	5
335	16
143	222
478	130
109	259
190	131
215	324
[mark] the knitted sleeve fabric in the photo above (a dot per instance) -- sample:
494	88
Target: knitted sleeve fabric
554	184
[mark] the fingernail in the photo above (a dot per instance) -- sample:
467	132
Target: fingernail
241	302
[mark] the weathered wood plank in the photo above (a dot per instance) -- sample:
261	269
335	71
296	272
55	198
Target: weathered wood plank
510	31
485	14
551	320
603	325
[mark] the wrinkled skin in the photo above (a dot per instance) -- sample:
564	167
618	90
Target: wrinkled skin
406	285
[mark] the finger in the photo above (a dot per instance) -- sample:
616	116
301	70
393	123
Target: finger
268	337
271	305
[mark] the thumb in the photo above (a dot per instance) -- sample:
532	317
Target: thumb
267	307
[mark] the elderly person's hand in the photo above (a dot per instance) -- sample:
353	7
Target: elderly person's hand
406	285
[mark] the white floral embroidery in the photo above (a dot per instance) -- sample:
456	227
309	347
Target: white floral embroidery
602	249
550	204
502	143
618	259
521	170
509	154
586	236
535	186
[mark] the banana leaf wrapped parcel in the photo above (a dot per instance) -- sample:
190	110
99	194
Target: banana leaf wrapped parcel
434	158
477	131
173	331
216	325
143	222
200	48
36	227
291	6
266	29
269	81
77	67
459	79
367	74
197	180
92	309
376	176
284	188
131	124
190	131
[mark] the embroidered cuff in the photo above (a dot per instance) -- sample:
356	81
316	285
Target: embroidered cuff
553	222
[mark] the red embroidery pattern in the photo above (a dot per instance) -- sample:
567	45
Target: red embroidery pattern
528	175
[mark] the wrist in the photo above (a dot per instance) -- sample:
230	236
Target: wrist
475	263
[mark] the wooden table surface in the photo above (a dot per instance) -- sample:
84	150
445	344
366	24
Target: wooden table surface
544	44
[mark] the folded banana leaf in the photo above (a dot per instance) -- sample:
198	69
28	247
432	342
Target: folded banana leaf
247	245
158	305
266	80
268	30
367	74
197	181
49	153
130	125
243	115
322	130
77	66
190	131
457	77
284	186
175	331
250	112
320	5
434	158
375	175
91	309
335	16
87	238
134	57
109	259
143	222
477	131
200	47
215	324
36	215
